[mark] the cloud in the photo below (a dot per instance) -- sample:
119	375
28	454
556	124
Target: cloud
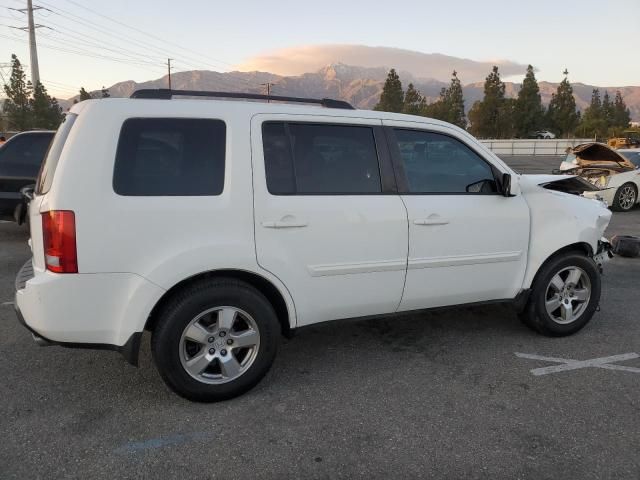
310	58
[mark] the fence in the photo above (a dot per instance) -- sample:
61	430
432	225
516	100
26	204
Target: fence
533	147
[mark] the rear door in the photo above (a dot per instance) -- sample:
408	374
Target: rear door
467	242
328	221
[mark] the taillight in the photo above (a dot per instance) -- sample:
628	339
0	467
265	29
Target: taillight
59	235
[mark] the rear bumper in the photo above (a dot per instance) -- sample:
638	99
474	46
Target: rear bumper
97	311
129	350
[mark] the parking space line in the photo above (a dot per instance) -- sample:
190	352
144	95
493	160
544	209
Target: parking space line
6	303
570	364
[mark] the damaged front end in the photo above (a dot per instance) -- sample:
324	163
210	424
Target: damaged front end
604	253
569	183
575	186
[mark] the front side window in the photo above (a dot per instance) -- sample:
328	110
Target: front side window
320	159
437	163
170	157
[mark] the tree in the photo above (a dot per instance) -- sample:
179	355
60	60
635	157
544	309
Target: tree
437	109
486	118
414	102
607	109
45	111
105	92
621	114
392	96
16	106
529	112
84	95
507	119
450	105
593	122
562	114
455	101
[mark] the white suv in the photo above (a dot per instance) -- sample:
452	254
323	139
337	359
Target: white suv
218	225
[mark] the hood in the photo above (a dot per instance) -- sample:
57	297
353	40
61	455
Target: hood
592	154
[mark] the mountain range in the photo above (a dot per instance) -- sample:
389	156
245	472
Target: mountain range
359	85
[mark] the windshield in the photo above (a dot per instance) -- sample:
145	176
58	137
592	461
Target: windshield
633	157
45	178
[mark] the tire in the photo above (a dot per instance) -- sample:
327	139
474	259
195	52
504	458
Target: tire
626	245
558	322
626	198
236	334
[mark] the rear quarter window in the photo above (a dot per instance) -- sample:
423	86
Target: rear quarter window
48	169
170	157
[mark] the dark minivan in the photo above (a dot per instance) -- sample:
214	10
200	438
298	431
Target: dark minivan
20	160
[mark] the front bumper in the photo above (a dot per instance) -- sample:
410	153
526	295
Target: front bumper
97	311
604	253
607	195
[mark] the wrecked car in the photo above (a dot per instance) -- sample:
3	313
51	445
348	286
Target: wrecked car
615	173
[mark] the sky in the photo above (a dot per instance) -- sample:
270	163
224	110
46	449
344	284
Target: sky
93	43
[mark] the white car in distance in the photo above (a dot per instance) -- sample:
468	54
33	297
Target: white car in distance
615	172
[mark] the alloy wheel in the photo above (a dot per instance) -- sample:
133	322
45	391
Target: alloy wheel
627	197
219	345
567	295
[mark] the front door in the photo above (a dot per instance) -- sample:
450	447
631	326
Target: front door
467	242
326	224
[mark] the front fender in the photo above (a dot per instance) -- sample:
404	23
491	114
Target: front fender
559	220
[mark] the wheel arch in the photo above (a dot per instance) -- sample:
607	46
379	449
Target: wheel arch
284	309
579	247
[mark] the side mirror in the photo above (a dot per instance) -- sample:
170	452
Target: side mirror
506	185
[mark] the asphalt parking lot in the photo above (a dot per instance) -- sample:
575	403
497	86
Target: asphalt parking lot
441	395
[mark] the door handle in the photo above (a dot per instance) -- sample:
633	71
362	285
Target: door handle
281	224
431	221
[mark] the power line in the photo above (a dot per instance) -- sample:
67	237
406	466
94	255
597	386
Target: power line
81	52
185	59
132	57
155	37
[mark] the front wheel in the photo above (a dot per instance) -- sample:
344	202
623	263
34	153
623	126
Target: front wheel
564	295
215	340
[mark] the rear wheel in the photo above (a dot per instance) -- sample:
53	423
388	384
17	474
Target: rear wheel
564	295
215	340
626	197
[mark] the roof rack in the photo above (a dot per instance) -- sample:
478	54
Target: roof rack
167	94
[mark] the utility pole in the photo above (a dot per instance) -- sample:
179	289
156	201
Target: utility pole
268	85
169	70
31	28
33	51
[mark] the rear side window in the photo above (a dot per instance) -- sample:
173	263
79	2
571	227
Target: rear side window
170	157
320	159
26	149
45	178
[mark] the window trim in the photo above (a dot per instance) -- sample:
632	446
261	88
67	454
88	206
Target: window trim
398	165
388	185
224	165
